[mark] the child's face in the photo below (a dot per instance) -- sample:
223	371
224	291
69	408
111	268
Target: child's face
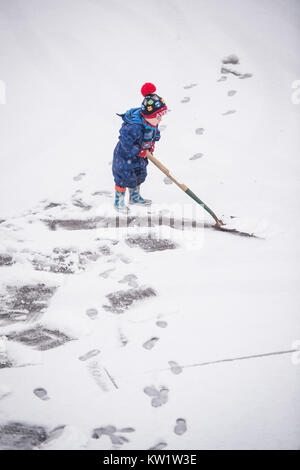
154	121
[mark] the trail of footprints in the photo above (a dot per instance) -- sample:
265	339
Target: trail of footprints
226	71
28	303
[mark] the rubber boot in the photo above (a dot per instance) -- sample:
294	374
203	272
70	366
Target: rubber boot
119	204
136	198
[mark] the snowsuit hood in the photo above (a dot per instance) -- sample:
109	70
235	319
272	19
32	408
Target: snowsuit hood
132	116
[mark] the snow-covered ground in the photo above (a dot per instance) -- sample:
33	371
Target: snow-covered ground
188	339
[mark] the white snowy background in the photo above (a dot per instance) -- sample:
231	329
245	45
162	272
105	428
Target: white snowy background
78	371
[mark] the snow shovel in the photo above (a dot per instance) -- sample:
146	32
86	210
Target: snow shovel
219	225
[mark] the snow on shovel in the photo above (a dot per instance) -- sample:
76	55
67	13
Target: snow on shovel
232	225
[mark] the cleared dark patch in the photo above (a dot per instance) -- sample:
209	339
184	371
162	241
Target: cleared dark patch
65	261
40	338
77	224
6	260
26	303
6	363
150	243
116	221
122	300
21	436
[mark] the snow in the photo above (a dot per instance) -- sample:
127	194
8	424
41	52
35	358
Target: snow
230	304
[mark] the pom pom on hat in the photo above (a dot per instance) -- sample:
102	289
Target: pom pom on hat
152	104
147	89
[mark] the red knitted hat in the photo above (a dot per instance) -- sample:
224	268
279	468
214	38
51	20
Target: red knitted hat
152	104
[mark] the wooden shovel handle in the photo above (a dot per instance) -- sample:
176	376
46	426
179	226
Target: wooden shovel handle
165	171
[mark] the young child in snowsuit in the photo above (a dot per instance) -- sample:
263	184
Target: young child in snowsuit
138	133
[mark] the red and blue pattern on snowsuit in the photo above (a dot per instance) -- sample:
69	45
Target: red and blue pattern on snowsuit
130	170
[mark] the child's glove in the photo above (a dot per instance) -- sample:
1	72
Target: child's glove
142	153
151	150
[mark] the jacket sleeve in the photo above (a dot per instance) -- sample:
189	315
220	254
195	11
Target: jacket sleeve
129	136
157	137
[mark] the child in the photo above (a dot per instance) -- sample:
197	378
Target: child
138	133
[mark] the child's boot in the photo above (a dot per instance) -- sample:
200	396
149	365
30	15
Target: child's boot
136	198
120	205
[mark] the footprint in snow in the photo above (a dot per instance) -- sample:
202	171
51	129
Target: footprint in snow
130	279
187	87
41	393
89	354
122	337
167	180
196	156
150	343
106	274
124	259
231	111
103	192
79	177
231	92
231	59
175	368
162	324
199	131
186	99
158	397
159	446
223	78
110	431
245	75
162	128
98	375
92	313
180	427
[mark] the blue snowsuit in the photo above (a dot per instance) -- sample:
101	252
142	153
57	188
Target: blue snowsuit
128	169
